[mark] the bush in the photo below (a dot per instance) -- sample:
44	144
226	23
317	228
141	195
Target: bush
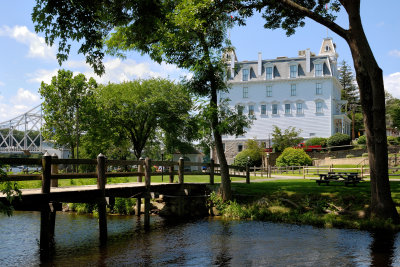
124	205
349	156
362	140
241	158
316	141
293	157
339	139
364	155
392	140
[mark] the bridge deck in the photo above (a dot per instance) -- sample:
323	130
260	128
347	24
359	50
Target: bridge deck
90	194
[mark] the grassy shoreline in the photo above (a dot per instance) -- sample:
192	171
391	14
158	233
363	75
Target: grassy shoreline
304	202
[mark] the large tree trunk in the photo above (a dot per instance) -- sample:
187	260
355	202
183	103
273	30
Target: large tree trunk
225	188
372	96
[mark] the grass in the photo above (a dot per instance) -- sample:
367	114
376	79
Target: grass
304	202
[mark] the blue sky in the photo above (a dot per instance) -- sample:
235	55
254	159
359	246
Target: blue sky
26	61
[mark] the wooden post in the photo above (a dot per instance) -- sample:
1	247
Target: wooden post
304	172
181	170
101	202
171	173
212	166
54	170
139	179
45	222
247	173
362	171
147	180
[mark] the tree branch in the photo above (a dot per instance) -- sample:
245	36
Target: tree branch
316	17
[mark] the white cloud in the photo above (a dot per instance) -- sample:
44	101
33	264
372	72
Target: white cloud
25	97
42	75
394	53
18	104
117	71
392	84
2	84
37	45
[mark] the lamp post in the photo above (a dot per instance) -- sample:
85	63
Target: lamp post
268	172
162	166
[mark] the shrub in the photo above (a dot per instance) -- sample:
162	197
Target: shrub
339	139
241	158
392	140
316	141
349	156
362	140
293	157
364	155
124	205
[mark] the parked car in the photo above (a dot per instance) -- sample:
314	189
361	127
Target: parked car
310	148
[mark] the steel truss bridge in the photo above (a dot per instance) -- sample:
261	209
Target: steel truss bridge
23	134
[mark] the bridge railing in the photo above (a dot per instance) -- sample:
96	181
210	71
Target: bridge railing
168	169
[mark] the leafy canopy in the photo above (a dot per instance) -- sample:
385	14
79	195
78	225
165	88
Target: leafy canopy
293	157
288	138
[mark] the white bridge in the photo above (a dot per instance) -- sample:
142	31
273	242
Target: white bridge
23	134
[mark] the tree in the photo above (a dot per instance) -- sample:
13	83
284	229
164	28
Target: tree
289	138
392	111
348	82
65	108
350	93
138	108
290	14
190	34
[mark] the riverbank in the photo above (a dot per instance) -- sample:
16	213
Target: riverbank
304	202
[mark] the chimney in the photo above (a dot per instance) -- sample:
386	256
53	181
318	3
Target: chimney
259	64
232	64
308	60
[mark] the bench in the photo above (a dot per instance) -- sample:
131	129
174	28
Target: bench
345	177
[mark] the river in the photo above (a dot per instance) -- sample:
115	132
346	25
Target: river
205	242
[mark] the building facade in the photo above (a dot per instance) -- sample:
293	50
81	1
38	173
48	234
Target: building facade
302	92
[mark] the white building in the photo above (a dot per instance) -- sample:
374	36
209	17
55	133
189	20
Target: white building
303	92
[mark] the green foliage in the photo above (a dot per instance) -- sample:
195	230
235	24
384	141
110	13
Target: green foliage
66	108
11	190
252	155
349	156
293	157
289	138
82	208
362	140
316	141
339	139
364	155
350	88
392	111
136	110
124	206
392	140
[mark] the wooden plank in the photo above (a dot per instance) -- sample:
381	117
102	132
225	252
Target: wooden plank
21	161
188	163
23	177
114	162
123	174
75	161
196	173
74	175
164	163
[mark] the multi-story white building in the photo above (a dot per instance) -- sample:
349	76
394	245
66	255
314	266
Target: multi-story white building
303	92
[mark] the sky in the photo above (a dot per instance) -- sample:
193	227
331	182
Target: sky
26	61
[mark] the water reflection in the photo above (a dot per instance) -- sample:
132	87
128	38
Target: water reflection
208	242
382	249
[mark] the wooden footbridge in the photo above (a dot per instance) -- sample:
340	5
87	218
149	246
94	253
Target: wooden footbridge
49	198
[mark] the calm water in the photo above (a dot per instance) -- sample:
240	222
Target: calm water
208	242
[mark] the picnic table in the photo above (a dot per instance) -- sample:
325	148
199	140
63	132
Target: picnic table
345	177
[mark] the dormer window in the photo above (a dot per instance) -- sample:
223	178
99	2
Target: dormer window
269	71
245	75
293	71
318	67
318	70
